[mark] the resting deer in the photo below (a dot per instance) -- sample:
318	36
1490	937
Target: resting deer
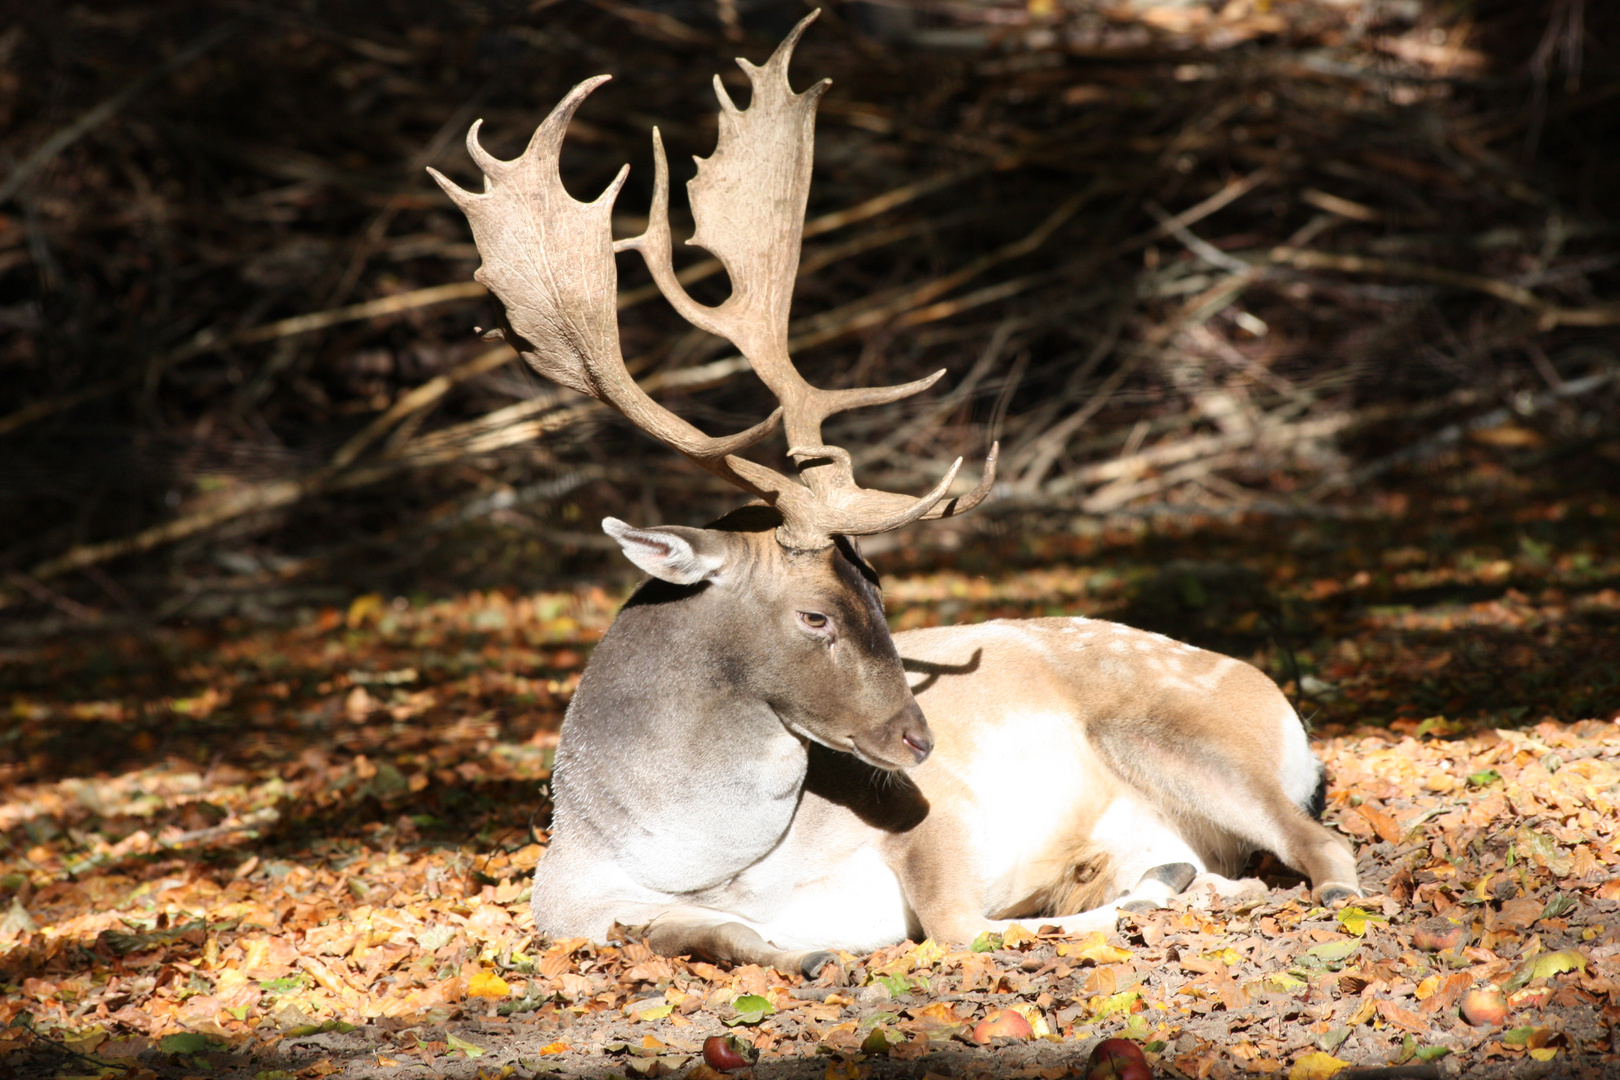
747	768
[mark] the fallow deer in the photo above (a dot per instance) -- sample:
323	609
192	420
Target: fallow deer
753	768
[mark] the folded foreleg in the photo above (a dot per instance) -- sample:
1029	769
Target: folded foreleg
707	934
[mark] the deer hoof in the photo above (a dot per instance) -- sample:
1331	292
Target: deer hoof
811	963
1333	894
1176	876
1138	907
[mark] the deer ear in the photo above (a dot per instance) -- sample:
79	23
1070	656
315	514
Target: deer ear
678	556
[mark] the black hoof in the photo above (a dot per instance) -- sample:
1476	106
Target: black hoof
813	962
1177	875
1335	893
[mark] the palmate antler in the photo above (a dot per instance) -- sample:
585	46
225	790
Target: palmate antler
548	258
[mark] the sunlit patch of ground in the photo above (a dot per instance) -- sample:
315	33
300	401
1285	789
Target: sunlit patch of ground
223	845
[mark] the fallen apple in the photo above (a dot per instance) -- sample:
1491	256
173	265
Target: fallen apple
1531	997
1438	935
1484	1007
727	1053
1003	1024
1117	1059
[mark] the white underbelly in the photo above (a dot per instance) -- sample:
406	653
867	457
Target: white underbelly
1026	790
852	902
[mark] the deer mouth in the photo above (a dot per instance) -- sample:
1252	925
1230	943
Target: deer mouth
909	736
915	741
877	761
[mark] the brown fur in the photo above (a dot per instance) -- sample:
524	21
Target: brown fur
1084	880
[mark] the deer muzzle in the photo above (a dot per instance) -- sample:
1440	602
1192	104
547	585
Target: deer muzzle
914	734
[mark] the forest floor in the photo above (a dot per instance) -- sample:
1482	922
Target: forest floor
274	850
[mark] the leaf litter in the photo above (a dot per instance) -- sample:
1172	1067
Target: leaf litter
258	851
247	850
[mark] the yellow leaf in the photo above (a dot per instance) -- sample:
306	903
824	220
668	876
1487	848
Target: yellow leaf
1093	947
1120	1002
1015	937
1426	988
1225	956
1356	920
1315	1066
554	1048
838	1069
84	1042
1547	965
928	954
486	984
363	608
1544	1053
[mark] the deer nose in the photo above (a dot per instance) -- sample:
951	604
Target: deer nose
915	734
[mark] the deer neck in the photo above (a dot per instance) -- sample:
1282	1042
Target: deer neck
656	702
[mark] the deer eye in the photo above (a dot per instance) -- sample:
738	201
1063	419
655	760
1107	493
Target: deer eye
815	622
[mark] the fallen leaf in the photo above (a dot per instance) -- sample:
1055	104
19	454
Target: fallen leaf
1387	828
751	1009
486	984
1356	920
187	1042
1016	937
1333	951
456	1042
1315	1066
1093	947
1547	965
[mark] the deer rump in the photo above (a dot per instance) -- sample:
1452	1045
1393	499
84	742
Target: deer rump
745	769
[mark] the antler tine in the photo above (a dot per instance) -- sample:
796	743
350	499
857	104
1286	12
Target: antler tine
548	258
860	511
963	503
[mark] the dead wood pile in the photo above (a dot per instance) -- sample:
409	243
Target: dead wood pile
1184	256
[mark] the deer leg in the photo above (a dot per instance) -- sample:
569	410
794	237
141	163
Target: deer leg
1228	888
699	934
1314	850
1158	885
1230	801
1153	890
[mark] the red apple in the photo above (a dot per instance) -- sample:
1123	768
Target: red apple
1484	1008
1117	1059
1531	997
1438	935
727	1053
1002	1023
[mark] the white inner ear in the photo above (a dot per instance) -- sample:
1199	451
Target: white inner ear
664	555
